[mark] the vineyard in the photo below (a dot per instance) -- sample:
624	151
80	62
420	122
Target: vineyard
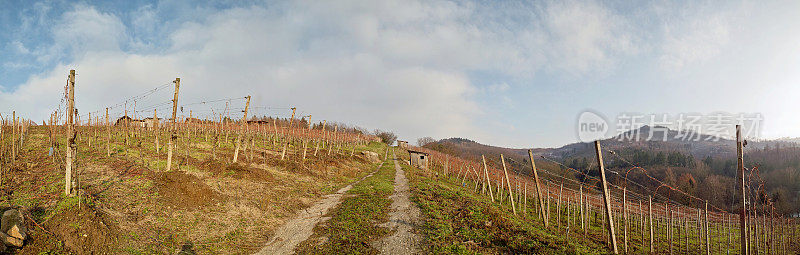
108	182
596	209
222	176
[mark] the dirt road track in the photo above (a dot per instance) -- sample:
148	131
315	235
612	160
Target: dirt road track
300	227
402	219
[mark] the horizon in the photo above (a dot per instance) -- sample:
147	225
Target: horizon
510	74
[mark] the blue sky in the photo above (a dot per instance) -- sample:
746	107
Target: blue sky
507	73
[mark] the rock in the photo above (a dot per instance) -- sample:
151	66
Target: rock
186	249
371	156
10	218
9	240
18	231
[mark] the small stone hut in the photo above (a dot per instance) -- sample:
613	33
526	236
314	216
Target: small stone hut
418	159
129	122
150	122
402	144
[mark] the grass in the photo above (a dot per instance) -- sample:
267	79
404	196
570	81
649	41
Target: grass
459	221
354	225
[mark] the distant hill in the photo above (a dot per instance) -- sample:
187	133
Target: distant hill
705	146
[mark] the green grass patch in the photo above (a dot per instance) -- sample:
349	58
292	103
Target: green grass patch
354	224
456	220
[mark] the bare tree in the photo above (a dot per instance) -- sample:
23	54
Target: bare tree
386	136
422	141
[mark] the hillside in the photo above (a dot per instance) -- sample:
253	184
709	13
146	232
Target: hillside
126	200
705	168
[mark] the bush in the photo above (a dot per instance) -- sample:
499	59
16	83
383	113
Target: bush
386	136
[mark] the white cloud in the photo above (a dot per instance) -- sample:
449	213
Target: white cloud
85	29
694	41
20	48
398	65
586	35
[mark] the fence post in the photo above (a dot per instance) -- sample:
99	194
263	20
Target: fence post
583	226
241	129
650	221
742	216
173	135
155	129
708	238
538	189
486	173
625	216
508	183
558	204
606	196
13	135
70	133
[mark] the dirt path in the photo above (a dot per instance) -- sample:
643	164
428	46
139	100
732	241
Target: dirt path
301	226
402	219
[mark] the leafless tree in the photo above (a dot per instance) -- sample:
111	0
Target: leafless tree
422	141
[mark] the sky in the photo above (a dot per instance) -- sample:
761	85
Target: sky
507	73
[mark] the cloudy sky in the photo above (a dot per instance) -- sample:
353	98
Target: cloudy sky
509	73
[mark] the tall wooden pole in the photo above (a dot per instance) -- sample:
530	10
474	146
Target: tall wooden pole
742	213
325	123
13	136
292	119
625	217
606	196
239	137
508	182
108	136
538	189
488	181
708	238
173	135
70	133
155	129
650	221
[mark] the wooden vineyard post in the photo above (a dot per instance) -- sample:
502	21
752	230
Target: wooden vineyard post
13	136
292	119
155	129
488	181
305	146
173	135
108	136
582	209
243	123
742	216
558	204
668	213
625	217
650	220
508	183
538	189
89	126
708	238
283	154
70	133
324	123
330	148
641	221
606	196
